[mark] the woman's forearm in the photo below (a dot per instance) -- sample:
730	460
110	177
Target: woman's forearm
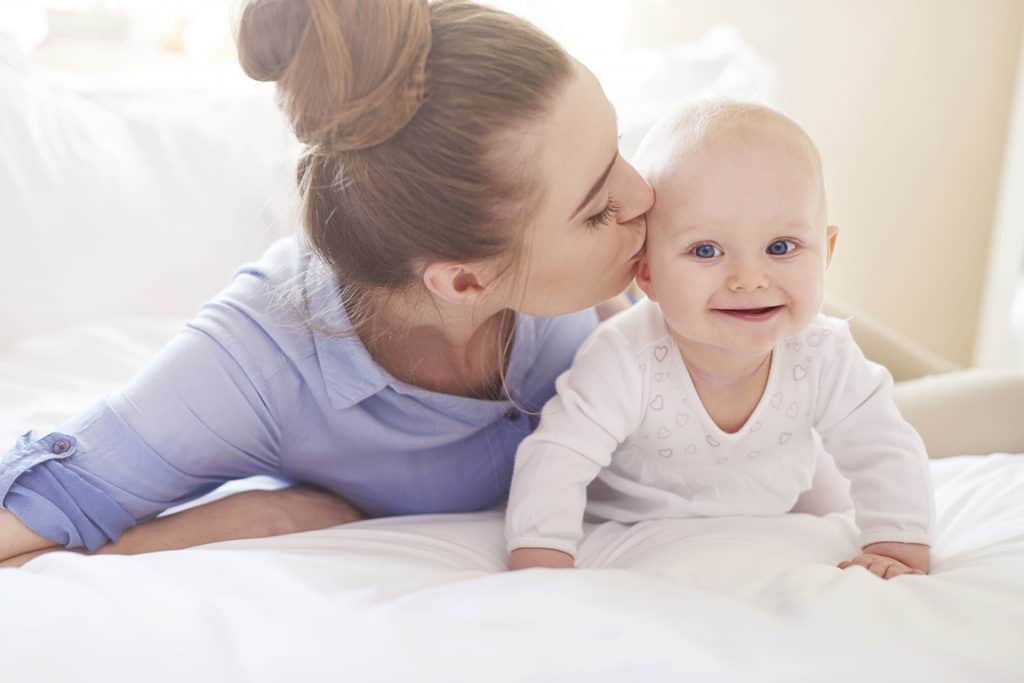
17	539
252	514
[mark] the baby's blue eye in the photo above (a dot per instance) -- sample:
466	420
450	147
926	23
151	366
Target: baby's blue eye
781	247
706	251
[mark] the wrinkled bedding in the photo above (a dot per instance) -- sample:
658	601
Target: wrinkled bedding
424	598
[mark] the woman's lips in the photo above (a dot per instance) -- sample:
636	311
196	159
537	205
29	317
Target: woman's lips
751	314
639	252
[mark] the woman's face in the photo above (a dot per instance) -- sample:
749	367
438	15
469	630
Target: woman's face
587	235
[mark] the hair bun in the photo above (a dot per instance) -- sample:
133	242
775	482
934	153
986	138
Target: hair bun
350	73
269	33
385	79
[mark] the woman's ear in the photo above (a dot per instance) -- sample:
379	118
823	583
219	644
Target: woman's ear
643	278
455	283
833	233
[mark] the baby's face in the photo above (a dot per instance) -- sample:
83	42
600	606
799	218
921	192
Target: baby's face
737	242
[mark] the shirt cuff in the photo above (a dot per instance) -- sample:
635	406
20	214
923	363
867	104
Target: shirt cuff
546	543
60	506
894	535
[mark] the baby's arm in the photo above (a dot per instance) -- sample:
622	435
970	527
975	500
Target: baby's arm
881	455
596	406
544	519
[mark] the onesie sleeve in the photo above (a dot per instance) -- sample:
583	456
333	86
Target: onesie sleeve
873	446
597	404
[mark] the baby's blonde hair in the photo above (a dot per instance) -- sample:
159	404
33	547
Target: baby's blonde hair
695	124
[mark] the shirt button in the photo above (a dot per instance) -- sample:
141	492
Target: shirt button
60	446
512	415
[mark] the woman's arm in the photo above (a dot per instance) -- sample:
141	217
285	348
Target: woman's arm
252	514
16	538
199	414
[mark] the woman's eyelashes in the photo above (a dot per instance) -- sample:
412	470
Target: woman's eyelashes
611	208
603	216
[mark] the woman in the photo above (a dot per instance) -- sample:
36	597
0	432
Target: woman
465	207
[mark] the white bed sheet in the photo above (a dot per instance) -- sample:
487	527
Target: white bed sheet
423	598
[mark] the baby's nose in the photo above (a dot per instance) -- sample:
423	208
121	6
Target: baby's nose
748	281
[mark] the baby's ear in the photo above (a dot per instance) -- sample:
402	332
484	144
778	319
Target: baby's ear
833	233
643	278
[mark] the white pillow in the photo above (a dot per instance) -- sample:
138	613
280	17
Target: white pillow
646	84
23	26
139	206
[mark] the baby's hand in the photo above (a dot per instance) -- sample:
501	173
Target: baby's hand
889	559
525	558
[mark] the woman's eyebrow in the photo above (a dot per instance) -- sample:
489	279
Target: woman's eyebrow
597	186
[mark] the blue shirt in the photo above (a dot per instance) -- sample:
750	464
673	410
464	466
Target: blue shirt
251	386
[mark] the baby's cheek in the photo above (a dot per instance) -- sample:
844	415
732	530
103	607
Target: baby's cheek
670	281
681	302
808	293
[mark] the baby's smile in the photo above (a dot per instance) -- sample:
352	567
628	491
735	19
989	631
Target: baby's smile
751	314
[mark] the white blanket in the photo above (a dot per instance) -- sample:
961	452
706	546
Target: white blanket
424	598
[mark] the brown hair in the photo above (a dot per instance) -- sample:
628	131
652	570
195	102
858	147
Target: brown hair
407	110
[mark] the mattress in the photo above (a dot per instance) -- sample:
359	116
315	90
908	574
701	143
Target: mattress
425	598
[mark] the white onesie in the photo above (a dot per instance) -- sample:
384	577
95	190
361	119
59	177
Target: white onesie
627	438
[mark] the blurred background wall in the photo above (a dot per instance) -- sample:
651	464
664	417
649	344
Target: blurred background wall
910	103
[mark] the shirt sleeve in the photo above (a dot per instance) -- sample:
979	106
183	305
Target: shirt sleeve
597	404
196	417
873	446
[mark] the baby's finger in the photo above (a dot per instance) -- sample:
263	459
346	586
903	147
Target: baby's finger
860	561
844	564
878	568
896	569
864	560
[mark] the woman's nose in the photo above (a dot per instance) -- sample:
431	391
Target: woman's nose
637	197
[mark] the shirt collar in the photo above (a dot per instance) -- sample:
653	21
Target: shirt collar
350	373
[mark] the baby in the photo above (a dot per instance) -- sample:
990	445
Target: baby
711	396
